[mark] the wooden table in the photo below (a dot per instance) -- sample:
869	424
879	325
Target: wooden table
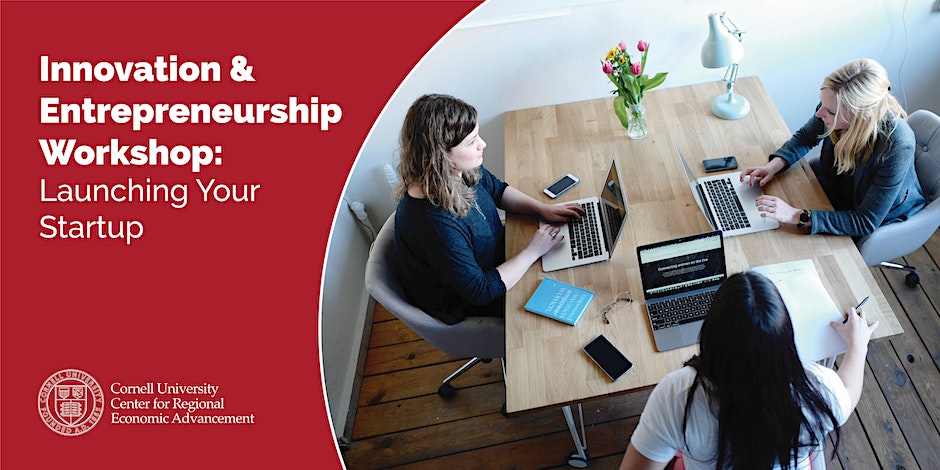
544	362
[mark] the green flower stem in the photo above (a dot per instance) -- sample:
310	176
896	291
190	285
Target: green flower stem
638	119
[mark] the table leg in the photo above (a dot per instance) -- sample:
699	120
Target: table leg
578	458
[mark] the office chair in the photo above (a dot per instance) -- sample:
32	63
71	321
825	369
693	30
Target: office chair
902	238
482	338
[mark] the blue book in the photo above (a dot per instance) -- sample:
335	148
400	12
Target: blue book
559	301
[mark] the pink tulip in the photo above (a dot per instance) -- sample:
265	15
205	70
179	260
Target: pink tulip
642	45
636	68
622	45
607	67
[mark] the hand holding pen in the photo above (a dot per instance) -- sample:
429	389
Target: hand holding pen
855	329
856	309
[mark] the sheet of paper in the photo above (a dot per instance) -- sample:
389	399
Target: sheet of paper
810	306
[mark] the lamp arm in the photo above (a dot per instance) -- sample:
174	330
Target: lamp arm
733	29
733	68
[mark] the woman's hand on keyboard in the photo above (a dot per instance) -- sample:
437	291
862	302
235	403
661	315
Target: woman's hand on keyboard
763	174
775	208
512	269
545	239
561	212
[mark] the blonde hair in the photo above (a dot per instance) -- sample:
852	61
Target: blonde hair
433	125
862	90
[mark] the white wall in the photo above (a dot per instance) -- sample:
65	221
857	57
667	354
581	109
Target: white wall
345	305
514	54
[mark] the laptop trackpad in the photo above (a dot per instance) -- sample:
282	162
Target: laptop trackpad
678	336
690	332
668	338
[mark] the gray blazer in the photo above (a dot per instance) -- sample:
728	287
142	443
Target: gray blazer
883	191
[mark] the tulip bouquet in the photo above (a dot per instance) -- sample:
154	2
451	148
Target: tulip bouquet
630	81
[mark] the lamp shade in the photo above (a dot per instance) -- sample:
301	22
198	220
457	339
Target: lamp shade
721	49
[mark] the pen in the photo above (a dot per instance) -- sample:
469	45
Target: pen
862	303
856	308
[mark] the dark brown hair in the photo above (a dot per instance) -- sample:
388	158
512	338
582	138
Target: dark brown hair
433	125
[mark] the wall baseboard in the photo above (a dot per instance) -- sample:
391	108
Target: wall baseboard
344	438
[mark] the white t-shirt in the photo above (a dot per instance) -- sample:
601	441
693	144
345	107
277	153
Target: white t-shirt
660	433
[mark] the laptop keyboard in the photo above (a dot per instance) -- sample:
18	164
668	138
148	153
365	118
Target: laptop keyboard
677	311
585	239
726	203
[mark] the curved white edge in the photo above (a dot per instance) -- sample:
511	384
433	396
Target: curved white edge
336	210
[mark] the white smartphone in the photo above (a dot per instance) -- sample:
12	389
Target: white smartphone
563	184
608	357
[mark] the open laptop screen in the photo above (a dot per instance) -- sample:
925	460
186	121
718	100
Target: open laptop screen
613	206
697	190
683	264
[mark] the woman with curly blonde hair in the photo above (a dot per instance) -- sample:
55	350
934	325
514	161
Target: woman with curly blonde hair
866	163
448	233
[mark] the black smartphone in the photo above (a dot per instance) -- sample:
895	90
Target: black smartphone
563	184
719	164
608	357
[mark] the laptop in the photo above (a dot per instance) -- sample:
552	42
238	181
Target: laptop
728	203
680	277
592	238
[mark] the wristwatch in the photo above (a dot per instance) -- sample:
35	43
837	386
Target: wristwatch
804	218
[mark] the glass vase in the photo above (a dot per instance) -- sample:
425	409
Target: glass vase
636	128
632	117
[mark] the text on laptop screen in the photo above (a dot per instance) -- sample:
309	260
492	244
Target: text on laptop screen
681	265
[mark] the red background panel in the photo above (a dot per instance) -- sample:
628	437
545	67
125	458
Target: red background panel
212	293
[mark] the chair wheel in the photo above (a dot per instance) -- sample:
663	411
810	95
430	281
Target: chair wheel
486	361
446	391
575	460
912	279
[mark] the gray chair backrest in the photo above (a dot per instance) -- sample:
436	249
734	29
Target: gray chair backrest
900	239
926	126
483	337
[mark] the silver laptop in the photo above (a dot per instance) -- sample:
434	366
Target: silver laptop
680	277
592	238
728	203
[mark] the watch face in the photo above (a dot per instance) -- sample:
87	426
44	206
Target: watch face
804	216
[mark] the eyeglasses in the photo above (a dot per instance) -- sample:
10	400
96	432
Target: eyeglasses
621	297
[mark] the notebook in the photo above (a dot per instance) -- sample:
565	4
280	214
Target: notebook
728	203
680	277
559	301
810	307
592	238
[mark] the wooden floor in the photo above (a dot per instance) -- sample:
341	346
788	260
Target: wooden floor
401	422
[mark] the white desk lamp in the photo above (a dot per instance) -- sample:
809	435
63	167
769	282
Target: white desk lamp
723	49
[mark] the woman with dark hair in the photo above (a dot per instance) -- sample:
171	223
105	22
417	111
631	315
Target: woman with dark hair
448	234
746	401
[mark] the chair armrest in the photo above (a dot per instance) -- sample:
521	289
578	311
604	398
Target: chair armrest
899	239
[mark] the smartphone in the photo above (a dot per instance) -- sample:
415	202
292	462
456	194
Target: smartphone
608	357
718	164
563	184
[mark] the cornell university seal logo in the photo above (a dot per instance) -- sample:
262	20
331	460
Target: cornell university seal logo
70	402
